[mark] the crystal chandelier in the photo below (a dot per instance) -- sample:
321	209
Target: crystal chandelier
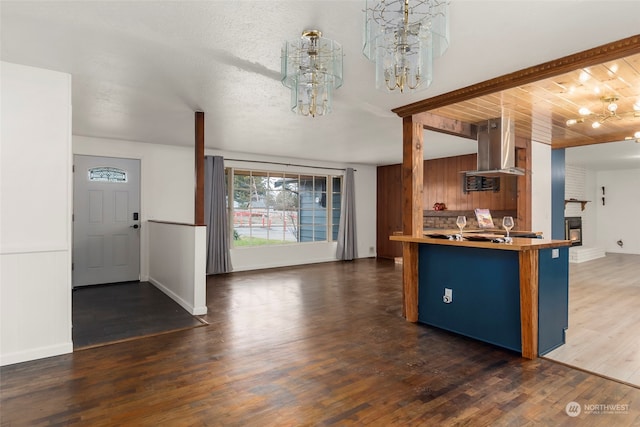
402	37
609	111
312	69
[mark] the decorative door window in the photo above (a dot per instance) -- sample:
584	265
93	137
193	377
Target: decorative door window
107	174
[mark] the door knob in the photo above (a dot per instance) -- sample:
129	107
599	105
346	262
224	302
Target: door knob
135	226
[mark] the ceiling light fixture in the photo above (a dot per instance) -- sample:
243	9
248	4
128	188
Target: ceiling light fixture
312	69
402	37
635	136
609	111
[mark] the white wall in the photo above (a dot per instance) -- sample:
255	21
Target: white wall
604	225
36	181
618	218
590	213
167	194
541	188
166	181
179	272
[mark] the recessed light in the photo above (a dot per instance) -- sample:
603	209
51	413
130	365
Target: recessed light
584	76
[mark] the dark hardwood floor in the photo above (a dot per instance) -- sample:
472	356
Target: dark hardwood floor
104	314
321	344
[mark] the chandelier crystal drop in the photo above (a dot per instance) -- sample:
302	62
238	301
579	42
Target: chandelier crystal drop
402	37
312	69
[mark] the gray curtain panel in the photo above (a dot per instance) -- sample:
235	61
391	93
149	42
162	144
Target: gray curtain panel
347	242
215	216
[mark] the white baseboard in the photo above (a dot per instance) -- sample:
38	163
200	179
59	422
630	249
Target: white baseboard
36	353
177	298
200	311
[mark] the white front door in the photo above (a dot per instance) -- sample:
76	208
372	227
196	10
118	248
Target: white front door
106	220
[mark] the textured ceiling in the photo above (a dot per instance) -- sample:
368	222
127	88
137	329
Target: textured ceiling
141	69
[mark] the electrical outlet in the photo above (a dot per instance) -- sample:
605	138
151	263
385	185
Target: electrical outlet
555	253
448	296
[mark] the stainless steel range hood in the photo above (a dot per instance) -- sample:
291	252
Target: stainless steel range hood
496	149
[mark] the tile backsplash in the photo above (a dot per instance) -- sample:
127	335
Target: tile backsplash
449	222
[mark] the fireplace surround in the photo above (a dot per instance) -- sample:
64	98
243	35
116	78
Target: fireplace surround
573	230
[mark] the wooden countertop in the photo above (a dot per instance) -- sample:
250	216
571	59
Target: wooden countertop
518	244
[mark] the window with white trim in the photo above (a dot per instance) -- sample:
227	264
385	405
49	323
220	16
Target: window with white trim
282	207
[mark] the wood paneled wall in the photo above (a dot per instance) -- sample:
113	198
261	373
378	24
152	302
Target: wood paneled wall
442	183
388	210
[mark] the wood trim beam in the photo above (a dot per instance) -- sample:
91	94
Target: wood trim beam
597	55
199	168
581	142
449	126
529	302
184	224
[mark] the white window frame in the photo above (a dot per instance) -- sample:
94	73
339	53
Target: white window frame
230	173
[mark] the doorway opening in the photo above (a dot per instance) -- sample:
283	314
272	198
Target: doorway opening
106	220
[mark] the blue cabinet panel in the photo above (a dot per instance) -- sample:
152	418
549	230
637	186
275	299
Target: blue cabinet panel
553	298
486	292
557	193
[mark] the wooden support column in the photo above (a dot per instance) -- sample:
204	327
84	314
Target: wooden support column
529	302
412	176
199	169
410	281
523	160
412	212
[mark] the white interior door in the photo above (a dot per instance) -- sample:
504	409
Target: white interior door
106	225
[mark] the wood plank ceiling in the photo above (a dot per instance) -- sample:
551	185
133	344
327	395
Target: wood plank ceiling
541	108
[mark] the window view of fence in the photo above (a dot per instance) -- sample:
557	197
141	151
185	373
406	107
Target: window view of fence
283	208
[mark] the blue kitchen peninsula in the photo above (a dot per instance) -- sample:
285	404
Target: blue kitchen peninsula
514	295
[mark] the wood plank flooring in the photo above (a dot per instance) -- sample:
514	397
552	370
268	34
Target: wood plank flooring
604	318
104	314
319	345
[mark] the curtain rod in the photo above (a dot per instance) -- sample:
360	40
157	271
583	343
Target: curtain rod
288	164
